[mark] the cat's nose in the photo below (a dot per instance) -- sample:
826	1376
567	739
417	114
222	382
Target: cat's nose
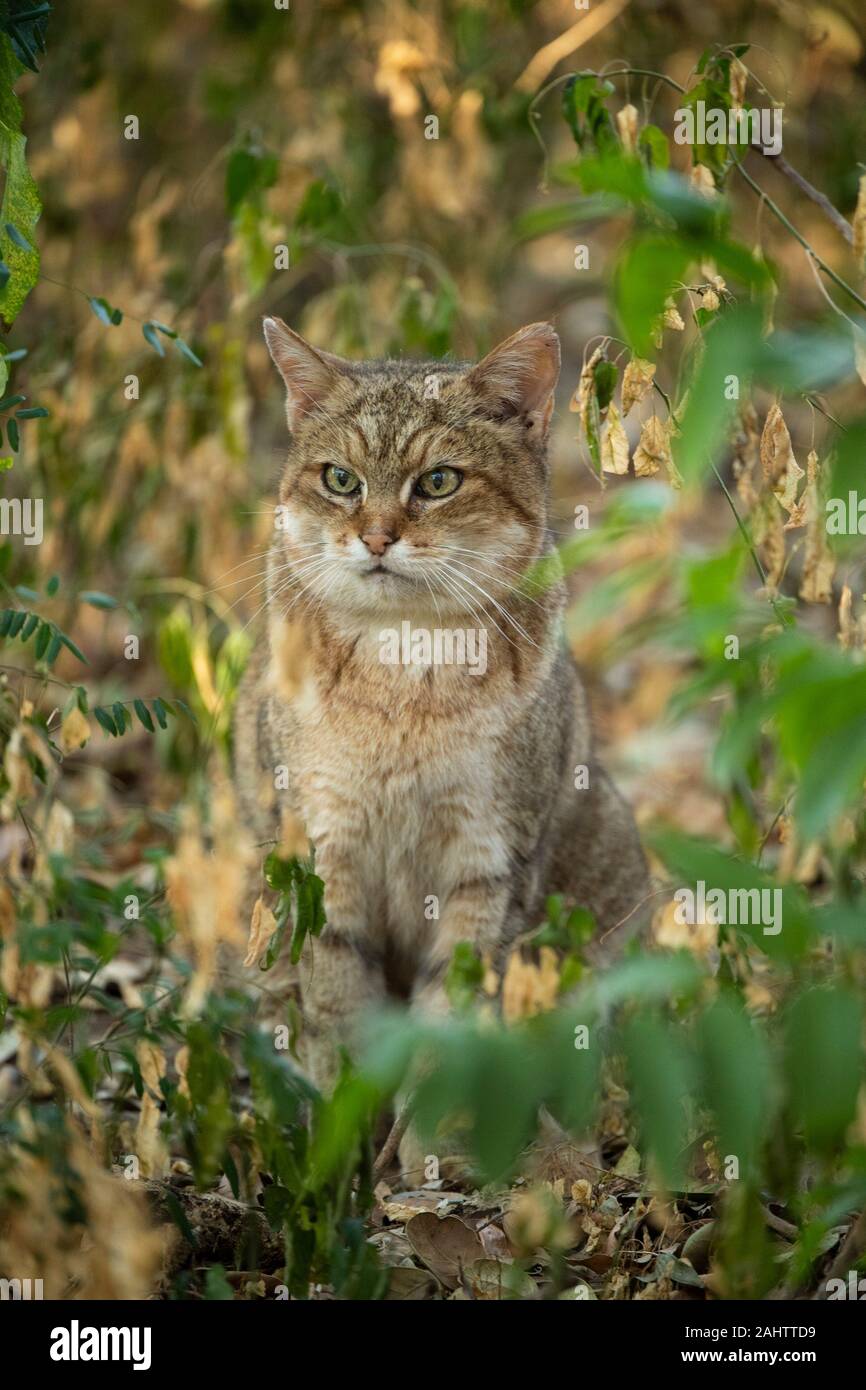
377	541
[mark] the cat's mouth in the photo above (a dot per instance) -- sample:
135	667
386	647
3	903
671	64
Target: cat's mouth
381	570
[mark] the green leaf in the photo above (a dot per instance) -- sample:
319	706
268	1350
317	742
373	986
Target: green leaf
104	718
587	116
13	233
279	873
249	171
650	269
144	715
153	338
97	599
662	1079
185	349
20	207
216	1286
33	412
655	146
71	646
121	716
824	1062
736	1081
12	431
605	376
104	312
160	711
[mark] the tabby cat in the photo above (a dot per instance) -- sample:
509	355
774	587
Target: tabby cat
445	798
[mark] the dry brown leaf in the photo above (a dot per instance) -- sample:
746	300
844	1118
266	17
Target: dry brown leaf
747	450
699	937
493	1280
614	444
654	451
859	223
781	469
852	630
206	891
445	1244
263	924
739	76
148	1144
579	402
399	62
819	564
637	382
672	317
702	181
529	989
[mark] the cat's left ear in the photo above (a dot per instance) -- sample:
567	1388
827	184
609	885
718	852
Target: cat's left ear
518	378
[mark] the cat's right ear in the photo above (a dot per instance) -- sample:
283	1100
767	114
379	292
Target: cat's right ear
309	374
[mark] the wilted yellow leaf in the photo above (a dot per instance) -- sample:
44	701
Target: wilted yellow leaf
654	451
74	731
739	76
614	444
781	469
672	317
585	386
528	989
702	181
859	223
637	381
262	927
819	564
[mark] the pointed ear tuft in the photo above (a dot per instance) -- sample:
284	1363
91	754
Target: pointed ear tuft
519	376
308	373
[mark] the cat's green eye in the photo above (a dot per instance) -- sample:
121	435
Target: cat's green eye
340	480
439	482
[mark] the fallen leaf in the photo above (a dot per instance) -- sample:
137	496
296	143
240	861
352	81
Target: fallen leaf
410	1285
492	1280
445	1244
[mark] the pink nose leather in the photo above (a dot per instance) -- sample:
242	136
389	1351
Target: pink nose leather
377	542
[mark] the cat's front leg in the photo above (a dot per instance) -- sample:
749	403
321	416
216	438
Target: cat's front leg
476	912
342	974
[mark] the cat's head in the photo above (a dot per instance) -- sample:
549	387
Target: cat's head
412	482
